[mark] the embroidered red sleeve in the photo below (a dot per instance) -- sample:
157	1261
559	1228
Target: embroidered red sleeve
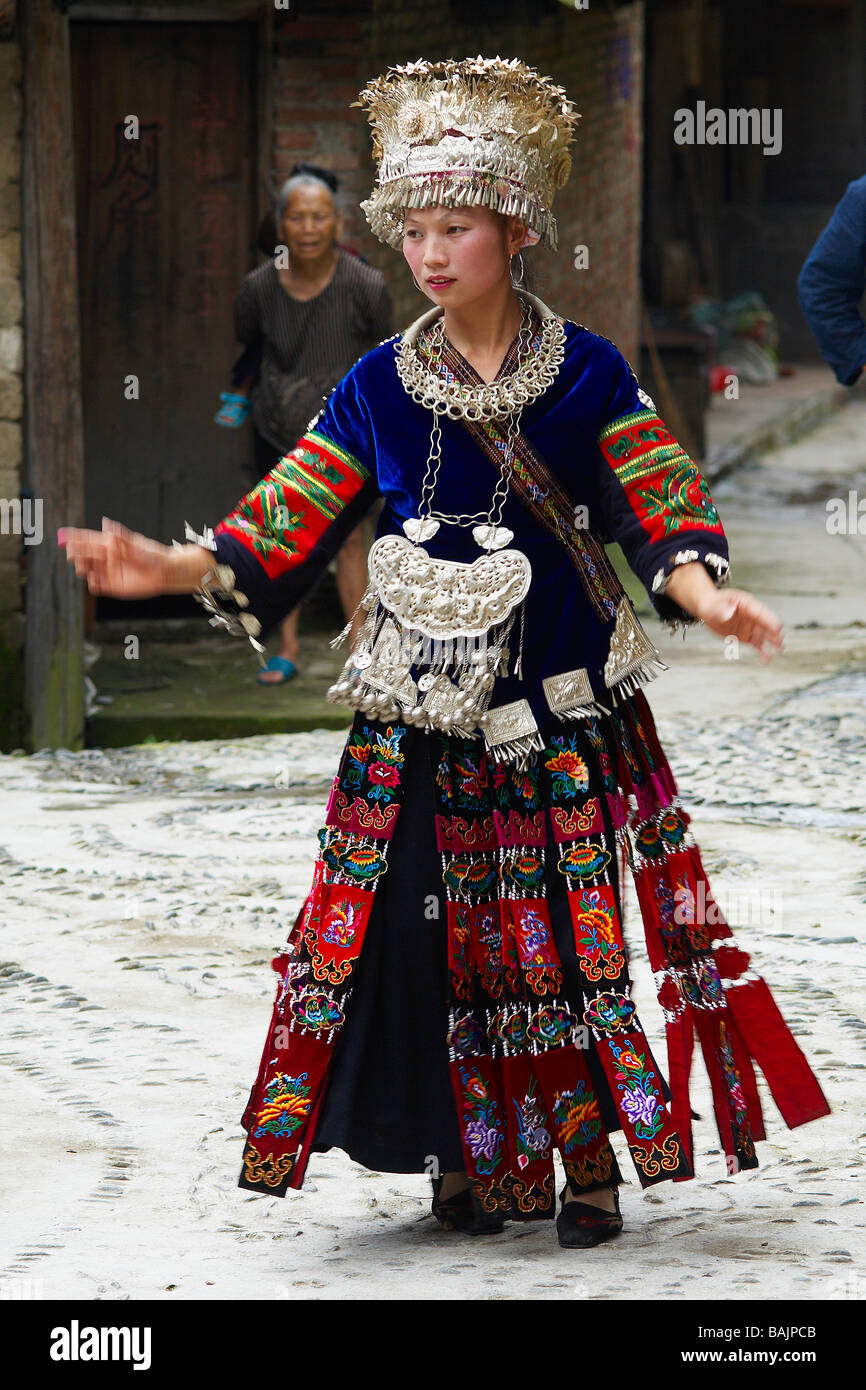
664	487
654	499
276	543
286	515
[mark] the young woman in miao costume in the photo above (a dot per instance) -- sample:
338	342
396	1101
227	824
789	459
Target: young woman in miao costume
454	996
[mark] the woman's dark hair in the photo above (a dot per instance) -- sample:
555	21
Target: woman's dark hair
326	175
305	173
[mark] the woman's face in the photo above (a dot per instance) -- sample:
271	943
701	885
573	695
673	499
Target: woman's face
458	254
310	222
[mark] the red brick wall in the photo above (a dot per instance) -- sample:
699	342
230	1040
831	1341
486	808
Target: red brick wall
326	53
320	65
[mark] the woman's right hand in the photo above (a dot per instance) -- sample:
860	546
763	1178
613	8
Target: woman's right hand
124	564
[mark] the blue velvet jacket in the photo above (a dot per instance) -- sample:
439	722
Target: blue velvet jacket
598	434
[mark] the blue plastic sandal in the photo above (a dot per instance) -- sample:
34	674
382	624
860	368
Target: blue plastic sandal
233	411
278	663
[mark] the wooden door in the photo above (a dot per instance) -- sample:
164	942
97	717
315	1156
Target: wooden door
166	230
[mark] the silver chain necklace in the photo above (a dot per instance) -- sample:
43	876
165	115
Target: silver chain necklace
493	516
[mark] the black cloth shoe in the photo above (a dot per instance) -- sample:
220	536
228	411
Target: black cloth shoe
580	1224
461	1212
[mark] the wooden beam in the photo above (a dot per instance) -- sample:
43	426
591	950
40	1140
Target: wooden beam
226	11
54	447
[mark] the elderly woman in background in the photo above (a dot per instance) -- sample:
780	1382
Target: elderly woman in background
306	315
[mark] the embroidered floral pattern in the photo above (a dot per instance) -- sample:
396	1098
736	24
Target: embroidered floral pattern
645	745
443	778
583	860
672	827
602	752
533	935
482	1123
522	869
648	841
703	988
671	931
472	876
285	1106
664	487
460	950
511	784
681	498
596	936
379	756
471	780
488	947
642	1099
609	1013
465	1036
317	1010
627	748
568	769
578	1118
339	926
485	1036
358	862
551	1025
509	1026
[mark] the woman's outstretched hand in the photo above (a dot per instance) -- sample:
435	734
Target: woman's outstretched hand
124	564
736	613
729	612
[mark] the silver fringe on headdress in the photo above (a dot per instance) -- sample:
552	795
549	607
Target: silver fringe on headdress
485	132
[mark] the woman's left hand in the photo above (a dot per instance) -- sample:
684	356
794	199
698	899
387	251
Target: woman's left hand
736	613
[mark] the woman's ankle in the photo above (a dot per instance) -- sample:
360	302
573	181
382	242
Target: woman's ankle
453	1183
601	1197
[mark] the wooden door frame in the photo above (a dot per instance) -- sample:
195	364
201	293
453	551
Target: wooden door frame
53	459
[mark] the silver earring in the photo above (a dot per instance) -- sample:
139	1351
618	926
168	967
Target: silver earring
522	267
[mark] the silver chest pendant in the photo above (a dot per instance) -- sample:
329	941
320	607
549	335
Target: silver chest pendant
435	634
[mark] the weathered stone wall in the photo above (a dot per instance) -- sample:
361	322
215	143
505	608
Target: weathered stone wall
11	363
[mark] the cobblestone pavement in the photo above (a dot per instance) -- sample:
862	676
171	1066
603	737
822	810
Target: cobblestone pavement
146	889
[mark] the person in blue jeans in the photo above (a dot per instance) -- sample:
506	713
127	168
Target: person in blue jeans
831	285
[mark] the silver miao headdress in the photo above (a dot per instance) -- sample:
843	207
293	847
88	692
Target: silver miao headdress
487	132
